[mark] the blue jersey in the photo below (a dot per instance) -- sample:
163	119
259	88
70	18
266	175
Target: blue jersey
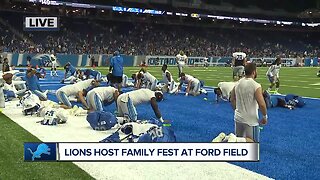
117	65
71	69
33	83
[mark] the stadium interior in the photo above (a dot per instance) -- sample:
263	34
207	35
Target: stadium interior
148	34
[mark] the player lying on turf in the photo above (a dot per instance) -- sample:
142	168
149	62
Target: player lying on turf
134	77
32	82
79	76
273	75
13	89
69	69
90	73
126	102
77	90
148	80
222	137
100	96
193	85
290	101
223	90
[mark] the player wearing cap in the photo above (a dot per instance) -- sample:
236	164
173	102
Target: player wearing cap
238	63
126	102
246	99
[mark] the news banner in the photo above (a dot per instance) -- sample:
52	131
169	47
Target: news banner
141	151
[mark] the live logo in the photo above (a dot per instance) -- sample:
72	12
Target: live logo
41	23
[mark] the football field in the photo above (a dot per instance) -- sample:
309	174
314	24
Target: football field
300	81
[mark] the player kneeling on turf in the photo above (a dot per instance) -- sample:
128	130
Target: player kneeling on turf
99	96
33	84
65	92
126	102
148	79
13	89
223	90
193	85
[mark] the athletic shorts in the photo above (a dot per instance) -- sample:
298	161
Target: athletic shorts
271	79
116	79
246	131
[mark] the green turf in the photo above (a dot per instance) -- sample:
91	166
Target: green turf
12	166
293	80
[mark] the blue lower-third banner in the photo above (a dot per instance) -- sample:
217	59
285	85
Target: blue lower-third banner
141	152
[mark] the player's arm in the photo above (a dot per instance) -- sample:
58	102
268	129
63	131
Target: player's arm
244	61
233	61
168	76
155	108
111	65
262	105
233	99
82	98
188	88
115	96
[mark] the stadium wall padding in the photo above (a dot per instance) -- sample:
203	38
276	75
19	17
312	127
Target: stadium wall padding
76	60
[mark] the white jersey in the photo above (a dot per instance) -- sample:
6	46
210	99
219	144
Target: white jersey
239	57
274	70
73	89
246	104
139	96
147	77
181	59
191	79
165	78
226	88
10	87
105	93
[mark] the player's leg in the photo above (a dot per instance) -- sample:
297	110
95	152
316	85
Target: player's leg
42	95
277	84
180	67
153	85
272	82
246	131
63	98
98	76
235	73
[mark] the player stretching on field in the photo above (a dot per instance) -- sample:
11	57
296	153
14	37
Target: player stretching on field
273	75
181	60
238	63
246	99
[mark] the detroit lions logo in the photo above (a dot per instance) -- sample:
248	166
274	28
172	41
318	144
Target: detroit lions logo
41	149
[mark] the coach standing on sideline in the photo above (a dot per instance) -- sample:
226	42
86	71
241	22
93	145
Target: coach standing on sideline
116	68
246	99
